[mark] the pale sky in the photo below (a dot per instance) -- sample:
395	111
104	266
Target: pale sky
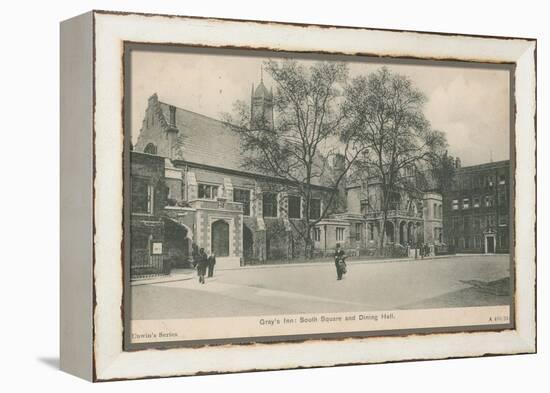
471	105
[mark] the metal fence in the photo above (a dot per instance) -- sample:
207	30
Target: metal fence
144	265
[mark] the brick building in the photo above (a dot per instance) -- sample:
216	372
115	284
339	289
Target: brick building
477	208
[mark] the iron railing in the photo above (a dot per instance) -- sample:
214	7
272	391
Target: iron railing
143	265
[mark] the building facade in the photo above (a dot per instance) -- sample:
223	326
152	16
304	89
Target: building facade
202	196
217	204
414	217
477	208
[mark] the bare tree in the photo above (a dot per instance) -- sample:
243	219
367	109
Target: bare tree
298	145
387	123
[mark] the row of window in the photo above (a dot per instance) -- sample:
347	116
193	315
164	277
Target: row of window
469	182
294	206
143	200
477	222
477	242
269	199
340	233
476	202
207	191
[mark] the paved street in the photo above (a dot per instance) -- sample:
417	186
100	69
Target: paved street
457	281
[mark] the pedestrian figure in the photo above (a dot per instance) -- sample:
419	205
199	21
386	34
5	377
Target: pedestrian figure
201	265
340	261
195	254
211	263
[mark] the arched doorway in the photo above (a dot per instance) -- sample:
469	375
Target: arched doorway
390	232
248	243
177	243
220	238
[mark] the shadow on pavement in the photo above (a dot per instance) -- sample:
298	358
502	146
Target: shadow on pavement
479	294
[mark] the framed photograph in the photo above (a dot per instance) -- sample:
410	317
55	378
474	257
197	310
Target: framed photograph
264	196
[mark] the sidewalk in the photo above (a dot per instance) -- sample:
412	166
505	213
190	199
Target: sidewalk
356	261
175	275
188	274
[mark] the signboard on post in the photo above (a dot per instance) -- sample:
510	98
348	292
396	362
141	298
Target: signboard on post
156	248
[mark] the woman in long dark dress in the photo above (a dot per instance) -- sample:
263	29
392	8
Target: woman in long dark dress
201	265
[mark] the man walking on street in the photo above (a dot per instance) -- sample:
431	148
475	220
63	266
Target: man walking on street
211	263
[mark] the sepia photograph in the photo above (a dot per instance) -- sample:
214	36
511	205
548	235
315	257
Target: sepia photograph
276	196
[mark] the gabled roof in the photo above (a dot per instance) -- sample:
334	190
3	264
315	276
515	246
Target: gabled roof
206	140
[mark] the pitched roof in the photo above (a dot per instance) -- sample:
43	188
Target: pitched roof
206	140
210	142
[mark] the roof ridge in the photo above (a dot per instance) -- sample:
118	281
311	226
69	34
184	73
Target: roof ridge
193	112
484	164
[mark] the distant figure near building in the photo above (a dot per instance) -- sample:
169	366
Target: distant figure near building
211	263
340	261
195	254
201	265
